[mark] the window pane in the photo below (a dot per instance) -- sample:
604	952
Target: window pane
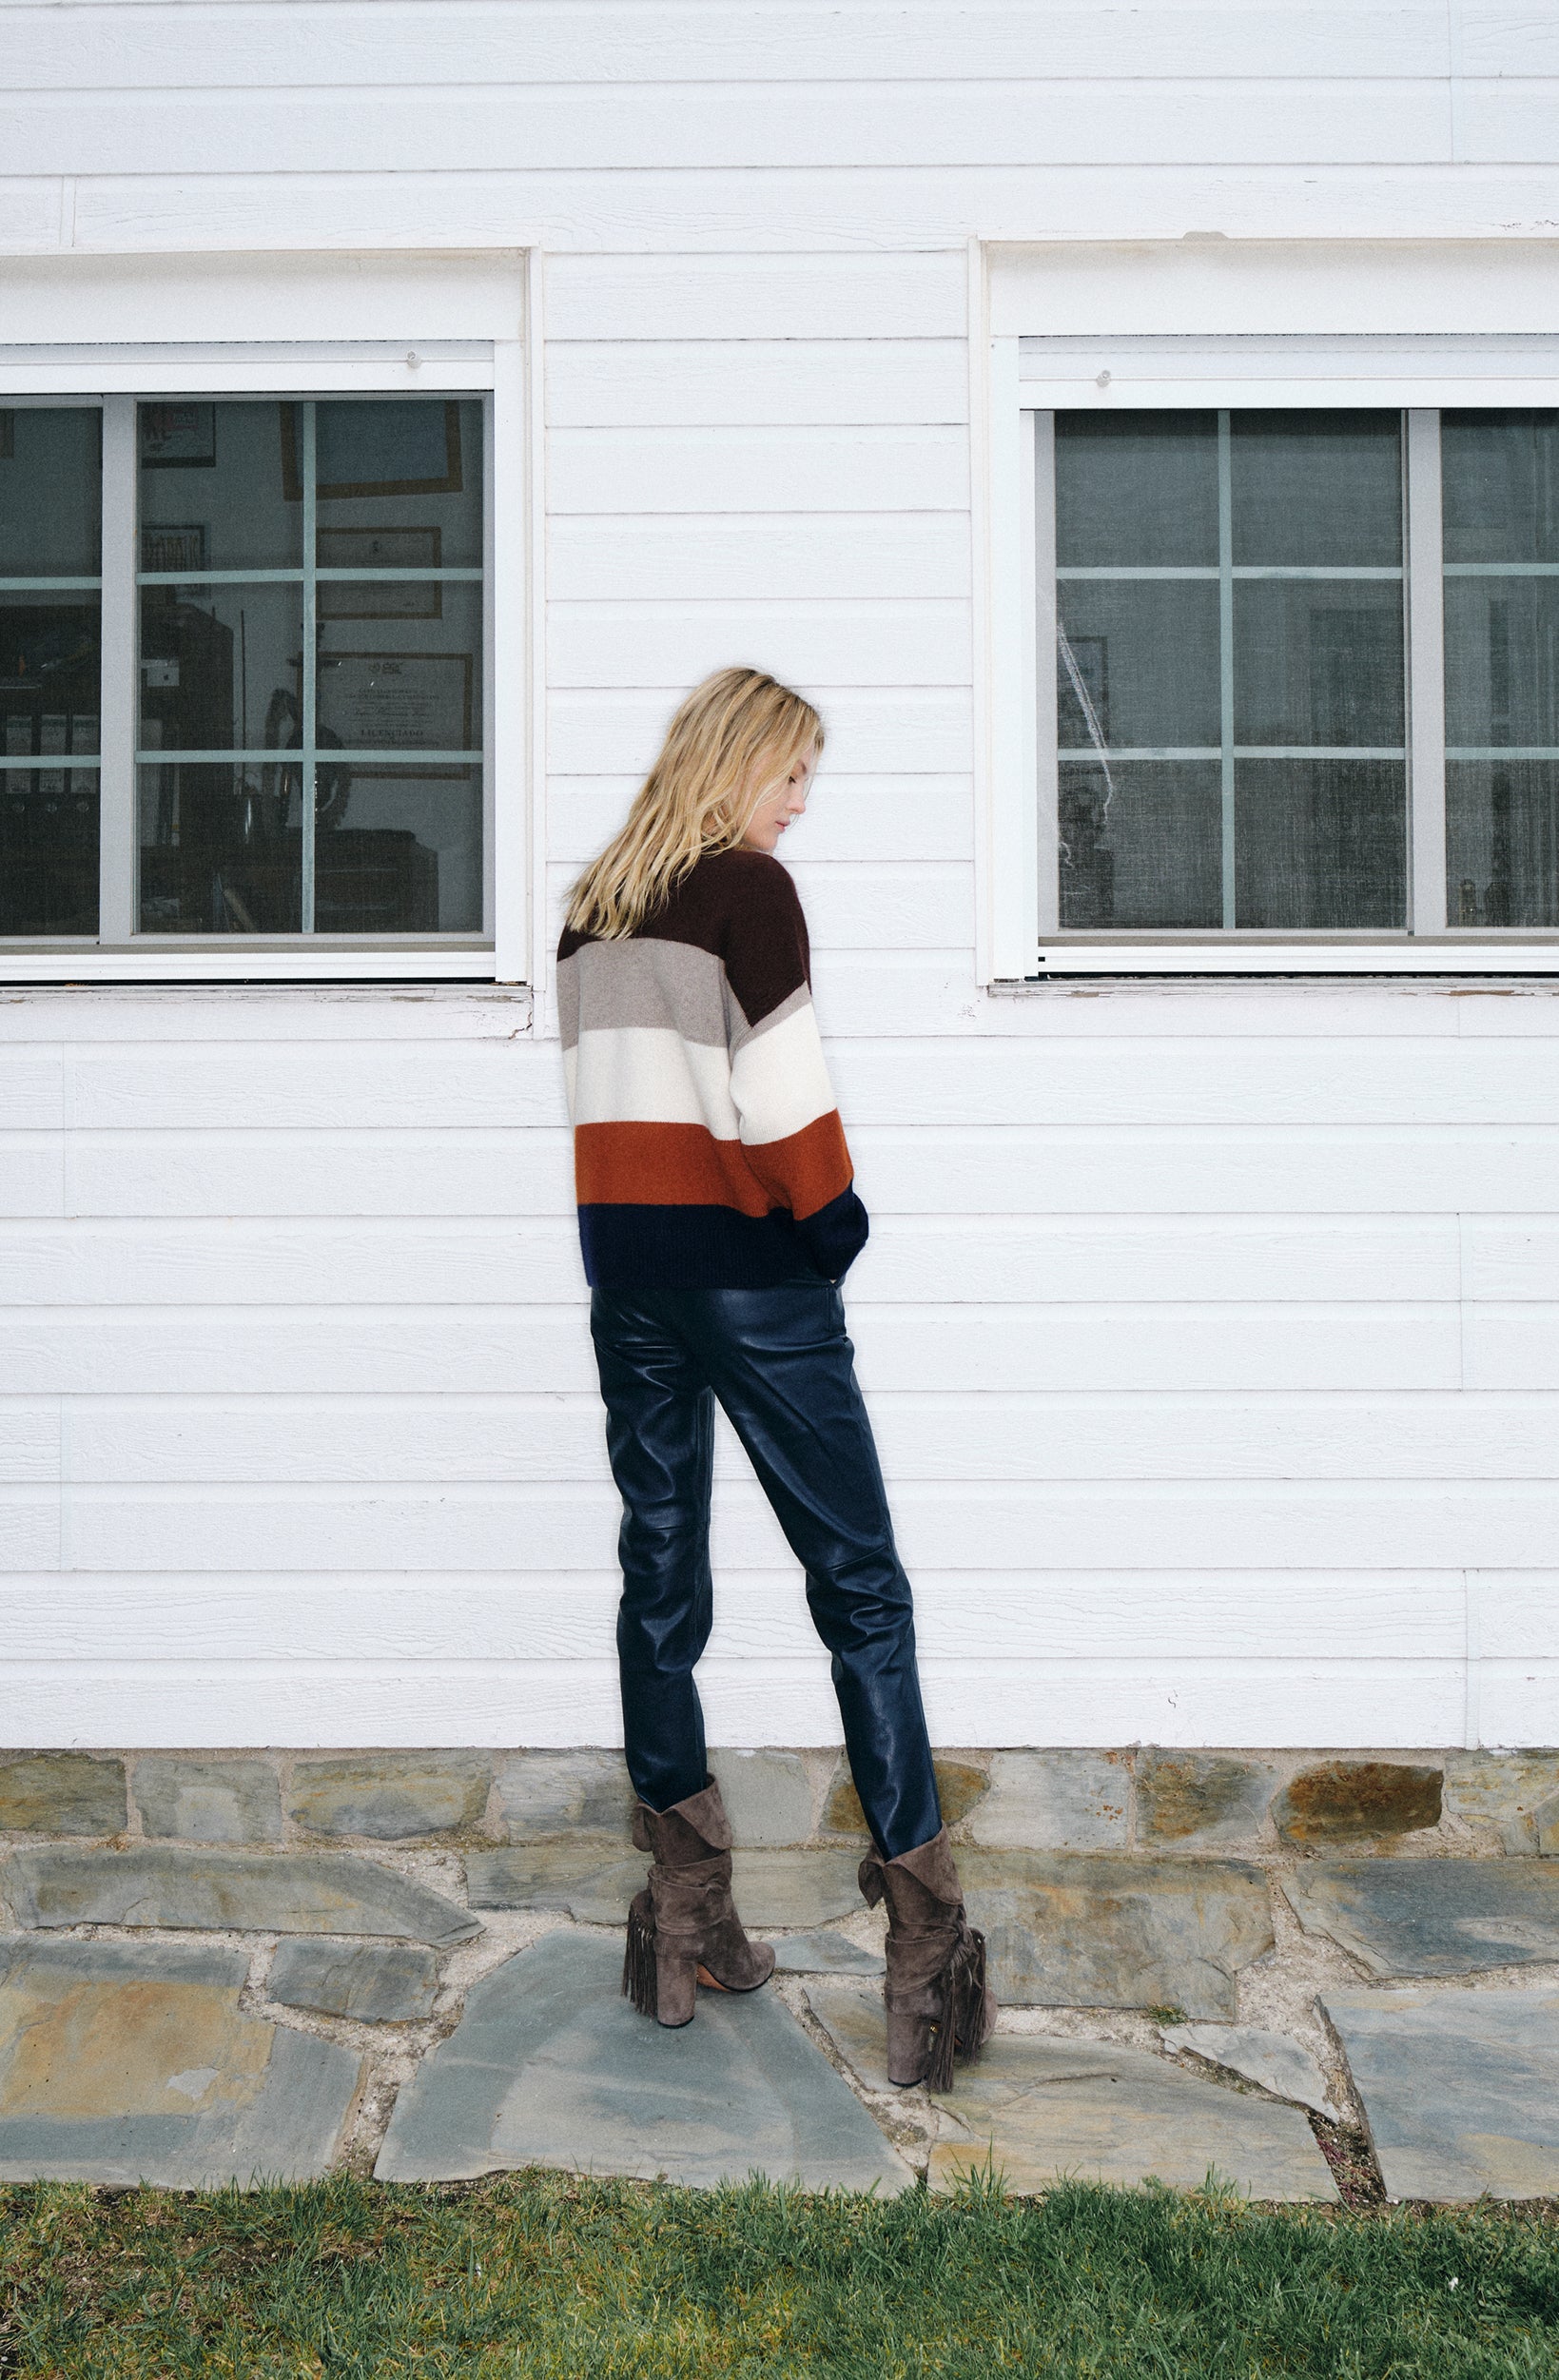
400	851
1320	845
1501	491
1502	660
218	486
1318	661
1502	842
409	469
221	667
49	815
50	492
1142	849
396	682
220	848
1139	488
1317	489
1145	653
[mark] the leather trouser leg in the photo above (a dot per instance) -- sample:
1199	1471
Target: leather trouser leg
782	1369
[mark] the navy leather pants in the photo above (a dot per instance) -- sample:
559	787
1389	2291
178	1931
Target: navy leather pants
782	1366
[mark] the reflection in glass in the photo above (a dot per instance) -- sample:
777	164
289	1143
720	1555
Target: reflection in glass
221	667
403	855
50	492
1502	843
212	490
1140	848
1502	660
1320	845
219	847
49	814
396	683
406	469
1318	661
1315	489
1500	486
1136	488
1145	653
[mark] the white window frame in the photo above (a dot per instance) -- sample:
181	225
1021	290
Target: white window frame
1028	380
409	322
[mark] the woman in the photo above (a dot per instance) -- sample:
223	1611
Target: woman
718	1218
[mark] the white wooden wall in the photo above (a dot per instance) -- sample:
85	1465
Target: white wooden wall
1210	1331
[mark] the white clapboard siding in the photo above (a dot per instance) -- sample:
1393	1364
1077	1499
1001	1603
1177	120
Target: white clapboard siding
860	296
733	557
816	642
863	467
850	817
200	1171
758	381
1513	1347
29	1441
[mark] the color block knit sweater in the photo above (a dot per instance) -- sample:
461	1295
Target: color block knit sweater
708	1151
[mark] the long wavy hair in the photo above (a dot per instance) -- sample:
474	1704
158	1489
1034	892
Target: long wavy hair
735	738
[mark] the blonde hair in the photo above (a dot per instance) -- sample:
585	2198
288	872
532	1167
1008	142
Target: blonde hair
735	738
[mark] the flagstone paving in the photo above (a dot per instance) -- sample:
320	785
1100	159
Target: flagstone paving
549	2065
376	1982
1431	1917
1274	2061
1041	2109
825	1953
131	2061
594	1881
1461	2089
321	1892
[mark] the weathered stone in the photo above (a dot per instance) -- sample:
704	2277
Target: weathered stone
1047	2110
768	1796
378	1982
1505	1790
61	1793
1343	1801
129	2063
318	1892
209	1800
1274	2061
1054	1802
960	1785
565	1793
390	1796
549	2065
1546	1819
825	1953
1460	2089
1066	1929
1193	1801
1431	1917
593	1882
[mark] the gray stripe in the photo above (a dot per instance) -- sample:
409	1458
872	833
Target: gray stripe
568	999
800	998
649	983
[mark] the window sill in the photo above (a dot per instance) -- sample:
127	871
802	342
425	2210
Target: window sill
1257	955
246	962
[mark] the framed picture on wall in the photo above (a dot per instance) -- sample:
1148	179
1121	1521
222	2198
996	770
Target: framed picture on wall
387	447
371	549
396	704
177	437
173	545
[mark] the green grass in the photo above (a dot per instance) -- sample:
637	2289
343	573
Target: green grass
541	2275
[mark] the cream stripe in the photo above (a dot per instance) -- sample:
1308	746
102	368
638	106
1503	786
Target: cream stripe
649	1074
779	1080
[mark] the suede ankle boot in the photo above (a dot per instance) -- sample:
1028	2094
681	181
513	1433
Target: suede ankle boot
939	2004
683	1929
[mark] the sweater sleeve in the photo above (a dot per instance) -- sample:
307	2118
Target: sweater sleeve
788	1124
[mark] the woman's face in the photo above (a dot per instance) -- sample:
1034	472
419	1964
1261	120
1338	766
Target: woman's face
779	808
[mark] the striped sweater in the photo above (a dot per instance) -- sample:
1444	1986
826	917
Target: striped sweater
707	1150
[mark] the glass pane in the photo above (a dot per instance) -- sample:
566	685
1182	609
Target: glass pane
1318	661
1500	475
218	486
1141	847
221	849
1502	842
408	470
1502	660
398	850
50	492
49	815
1145	653
391	682
1320	845
221	667
1317	489
1136	488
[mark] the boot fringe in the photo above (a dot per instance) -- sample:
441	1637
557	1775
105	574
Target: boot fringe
960	2029
638	1958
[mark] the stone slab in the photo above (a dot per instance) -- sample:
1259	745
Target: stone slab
593	1881
62	1793
1431	1917
209	1800
1054	1800
1070	1930
1047	2110
768	1796
133	2063
1507	1790
391	1796
1347	1801
1460	2089
565	1793
961	1784
550	2066
1275	2060
1201	1801
825	1953
320	1892
376	1983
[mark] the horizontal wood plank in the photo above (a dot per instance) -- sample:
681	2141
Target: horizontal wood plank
742	297
871	467
610	642
762	557
756	383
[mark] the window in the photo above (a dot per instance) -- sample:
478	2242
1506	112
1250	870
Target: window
290	741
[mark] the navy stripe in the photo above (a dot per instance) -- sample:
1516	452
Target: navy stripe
692	1247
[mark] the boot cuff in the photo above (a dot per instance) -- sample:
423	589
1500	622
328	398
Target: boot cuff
933	1867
